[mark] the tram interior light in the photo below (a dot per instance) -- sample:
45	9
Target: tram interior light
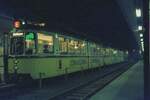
56	36
83	44
115	52
44	37
50	43
76	47
127	52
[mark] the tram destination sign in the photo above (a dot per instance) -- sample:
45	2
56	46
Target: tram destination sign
17	34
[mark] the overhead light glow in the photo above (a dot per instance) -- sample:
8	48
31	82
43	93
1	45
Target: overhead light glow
140	52
142	40
139	28
141	35
142	47
23	23
138	12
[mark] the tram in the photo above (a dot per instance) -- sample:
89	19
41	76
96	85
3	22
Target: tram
33	53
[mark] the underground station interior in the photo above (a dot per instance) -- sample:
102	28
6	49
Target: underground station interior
74	50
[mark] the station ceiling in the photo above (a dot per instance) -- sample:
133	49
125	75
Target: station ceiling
128	8
103	21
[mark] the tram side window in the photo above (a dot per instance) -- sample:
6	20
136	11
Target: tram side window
30	43
45	43
93	49
82	47
103	52
107	52
73	47
70	46
98	50
111	52
77	47
63	45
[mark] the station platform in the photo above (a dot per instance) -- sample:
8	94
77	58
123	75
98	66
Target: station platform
128	86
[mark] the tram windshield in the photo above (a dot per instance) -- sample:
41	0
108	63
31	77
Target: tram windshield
22	44
17	45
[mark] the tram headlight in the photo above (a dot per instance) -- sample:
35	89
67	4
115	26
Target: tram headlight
16	67
16	64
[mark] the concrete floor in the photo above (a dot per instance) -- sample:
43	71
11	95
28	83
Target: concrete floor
128	86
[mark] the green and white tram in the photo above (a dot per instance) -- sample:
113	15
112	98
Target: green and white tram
33	52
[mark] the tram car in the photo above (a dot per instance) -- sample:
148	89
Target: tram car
35	52
5	26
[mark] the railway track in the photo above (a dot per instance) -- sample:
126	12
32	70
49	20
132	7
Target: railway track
6	88
84	92
78	92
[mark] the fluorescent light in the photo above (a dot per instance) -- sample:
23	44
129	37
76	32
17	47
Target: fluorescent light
140	51
138	12
141	35
143	47
142	40
139	28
